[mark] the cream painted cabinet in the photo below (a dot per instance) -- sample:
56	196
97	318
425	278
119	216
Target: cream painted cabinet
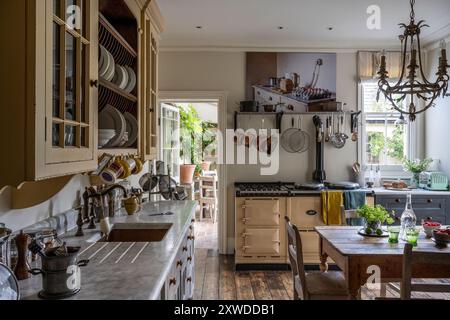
52	98
260	230
52	95
149	139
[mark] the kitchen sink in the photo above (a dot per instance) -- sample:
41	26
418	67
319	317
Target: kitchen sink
139	232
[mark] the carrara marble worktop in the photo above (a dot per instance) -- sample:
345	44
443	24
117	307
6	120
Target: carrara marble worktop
121	271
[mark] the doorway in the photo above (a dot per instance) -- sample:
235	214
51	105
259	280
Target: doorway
189	123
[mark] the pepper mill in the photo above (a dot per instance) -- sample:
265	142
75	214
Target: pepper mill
22	266
80	222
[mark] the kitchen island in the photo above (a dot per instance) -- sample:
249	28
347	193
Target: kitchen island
135	270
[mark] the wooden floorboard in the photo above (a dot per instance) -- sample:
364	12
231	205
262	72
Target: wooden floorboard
244	290
276	287
227	284
200	268
288	282
260	287
211	283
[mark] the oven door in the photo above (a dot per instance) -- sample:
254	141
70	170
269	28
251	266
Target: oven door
261	213
262	241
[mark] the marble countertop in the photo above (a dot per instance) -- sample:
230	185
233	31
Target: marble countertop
126	271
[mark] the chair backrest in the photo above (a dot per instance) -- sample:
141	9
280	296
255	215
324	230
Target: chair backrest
295	252
422	259
348	214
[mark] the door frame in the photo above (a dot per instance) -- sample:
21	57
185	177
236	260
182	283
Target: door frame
221	98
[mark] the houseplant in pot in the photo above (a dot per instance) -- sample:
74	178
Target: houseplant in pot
190	136
374	218
416	167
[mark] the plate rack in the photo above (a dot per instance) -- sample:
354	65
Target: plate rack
109	93
125	55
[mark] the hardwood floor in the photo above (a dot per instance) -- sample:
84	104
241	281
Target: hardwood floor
216	279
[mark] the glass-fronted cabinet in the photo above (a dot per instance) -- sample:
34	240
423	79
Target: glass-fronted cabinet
72	86
150	111
170	138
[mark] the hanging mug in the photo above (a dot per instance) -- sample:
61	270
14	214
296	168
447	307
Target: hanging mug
114	172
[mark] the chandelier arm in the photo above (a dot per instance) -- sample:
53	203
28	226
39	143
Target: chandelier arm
405	47
424	78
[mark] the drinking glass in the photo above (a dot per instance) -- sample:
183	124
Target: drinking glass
412	235
393	234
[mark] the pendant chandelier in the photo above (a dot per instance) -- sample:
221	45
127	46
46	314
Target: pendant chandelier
412	82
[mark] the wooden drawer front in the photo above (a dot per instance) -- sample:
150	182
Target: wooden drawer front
306	212
310	245
261	213
261	241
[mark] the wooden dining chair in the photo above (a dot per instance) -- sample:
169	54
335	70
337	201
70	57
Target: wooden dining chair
330	285
422	259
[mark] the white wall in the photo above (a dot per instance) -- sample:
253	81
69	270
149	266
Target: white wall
225	71
437	128
304	64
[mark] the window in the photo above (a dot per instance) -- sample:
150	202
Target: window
386	140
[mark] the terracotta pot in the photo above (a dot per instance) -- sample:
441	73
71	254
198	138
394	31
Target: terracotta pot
187	173
205	166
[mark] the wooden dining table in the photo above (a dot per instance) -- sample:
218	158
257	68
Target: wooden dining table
356	256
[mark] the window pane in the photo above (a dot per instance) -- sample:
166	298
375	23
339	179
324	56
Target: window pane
70	137
386	142
71	71
57	7
83	92
55	135
84	137
56	70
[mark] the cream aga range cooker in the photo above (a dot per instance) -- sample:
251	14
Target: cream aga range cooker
260	209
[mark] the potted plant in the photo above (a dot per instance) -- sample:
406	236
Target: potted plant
190	134
416	167
374	217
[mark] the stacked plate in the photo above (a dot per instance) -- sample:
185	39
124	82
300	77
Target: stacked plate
109	120
122	76
106	64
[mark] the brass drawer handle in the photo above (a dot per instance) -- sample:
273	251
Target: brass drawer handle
179	263
311	212
191	228
189	259
94	83
190	238
193	220
172	281
397	200
185	249
189	279
430	200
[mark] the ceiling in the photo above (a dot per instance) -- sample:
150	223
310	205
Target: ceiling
254	23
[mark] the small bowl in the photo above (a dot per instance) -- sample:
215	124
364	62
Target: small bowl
441	239
429	230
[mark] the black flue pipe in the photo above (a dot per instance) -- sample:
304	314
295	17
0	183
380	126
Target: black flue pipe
319	174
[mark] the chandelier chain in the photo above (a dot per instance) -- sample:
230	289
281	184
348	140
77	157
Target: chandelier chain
413	14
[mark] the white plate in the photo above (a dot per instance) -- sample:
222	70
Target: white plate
103	64
109	75
121	77
111	118
132	128
131	81
101	60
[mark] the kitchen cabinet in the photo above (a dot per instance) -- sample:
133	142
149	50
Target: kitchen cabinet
53	92
179	284
434	206
306	214
260	230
